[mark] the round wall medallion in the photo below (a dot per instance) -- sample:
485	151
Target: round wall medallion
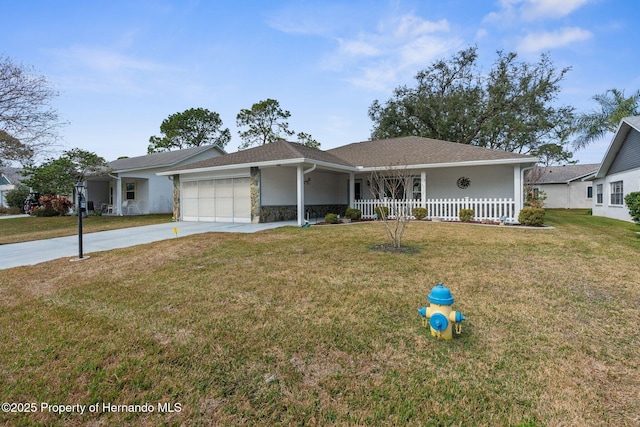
463	182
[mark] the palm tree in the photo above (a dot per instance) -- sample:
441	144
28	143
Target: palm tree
613	108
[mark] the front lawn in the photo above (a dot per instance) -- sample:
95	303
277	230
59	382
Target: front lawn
24	229
308	326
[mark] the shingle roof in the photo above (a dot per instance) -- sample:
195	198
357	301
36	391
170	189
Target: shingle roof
564	174
13	174
155	160
414	150
279	150
405	151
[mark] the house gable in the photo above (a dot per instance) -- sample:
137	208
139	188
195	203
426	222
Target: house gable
628	157
623	153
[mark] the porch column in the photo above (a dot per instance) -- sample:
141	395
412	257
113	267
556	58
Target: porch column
352	189
300	176
119	196
423	188
517	191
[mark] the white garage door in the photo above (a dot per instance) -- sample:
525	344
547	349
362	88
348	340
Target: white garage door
220	200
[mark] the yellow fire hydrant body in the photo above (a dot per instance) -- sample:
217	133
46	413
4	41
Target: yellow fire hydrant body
440	316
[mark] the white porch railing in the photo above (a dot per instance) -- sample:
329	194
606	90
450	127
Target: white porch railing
444	209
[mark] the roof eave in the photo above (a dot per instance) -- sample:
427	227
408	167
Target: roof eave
267	163
531	161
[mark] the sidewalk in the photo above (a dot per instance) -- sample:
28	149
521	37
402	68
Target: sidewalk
30	253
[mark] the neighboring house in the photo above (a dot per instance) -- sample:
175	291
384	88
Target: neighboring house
619	172
9	180
564	186
289	181
132	186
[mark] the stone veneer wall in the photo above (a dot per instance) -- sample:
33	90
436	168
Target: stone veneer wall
290	212
254	188
176	197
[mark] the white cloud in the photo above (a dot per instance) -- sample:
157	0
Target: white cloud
358	48
398	47
103	60
411	26
536	42
540	9
513	11
105	70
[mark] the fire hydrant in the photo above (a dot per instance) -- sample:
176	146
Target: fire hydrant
439	315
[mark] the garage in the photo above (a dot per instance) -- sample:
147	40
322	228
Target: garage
216	200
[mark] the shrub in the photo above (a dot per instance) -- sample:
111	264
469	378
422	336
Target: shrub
331	218
10	211
535	198
17	196
466	215
353	214
58	205
633	203
381	212
420	213
533	217
43	211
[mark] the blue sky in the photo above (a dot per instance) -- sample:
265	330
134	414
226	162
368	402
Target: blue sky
122	67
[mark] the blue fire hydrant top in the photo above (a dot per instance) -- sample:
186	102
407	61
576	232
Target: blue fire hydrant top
440	295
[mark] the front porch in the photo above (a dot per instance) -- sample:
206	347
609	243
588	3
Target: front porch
491	209
113	195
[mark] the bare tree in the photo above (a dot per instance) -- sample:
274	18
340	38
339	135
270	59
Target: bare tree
534	197
393	186
27	120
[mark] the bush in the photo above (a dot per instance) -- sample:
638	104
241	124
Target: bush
633	203
331	218
43	211
17	196
466	215
353	214
419	213
52	206
533	217
381	212
10	211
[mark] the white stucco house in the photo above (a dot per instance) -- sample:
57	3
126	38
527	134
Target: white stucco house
565	186
619	172
132	185
289	181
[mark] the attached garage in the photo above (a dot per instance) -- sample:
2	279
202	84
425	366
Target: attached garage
216	200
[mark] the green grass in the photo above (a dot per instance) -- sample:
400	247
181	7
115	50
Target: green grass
24	229
309	327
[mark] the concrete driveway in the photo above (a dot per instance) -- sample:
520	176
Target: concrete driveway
30	253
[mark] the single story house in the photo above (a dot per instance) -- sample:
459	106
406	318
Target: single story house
564	186
619	172
289	181
132	185
9	180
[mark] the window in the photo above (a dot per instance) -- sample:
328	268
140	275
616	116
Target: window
590	192
395	188
358	189
599	194
130	188
417	187
616	193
